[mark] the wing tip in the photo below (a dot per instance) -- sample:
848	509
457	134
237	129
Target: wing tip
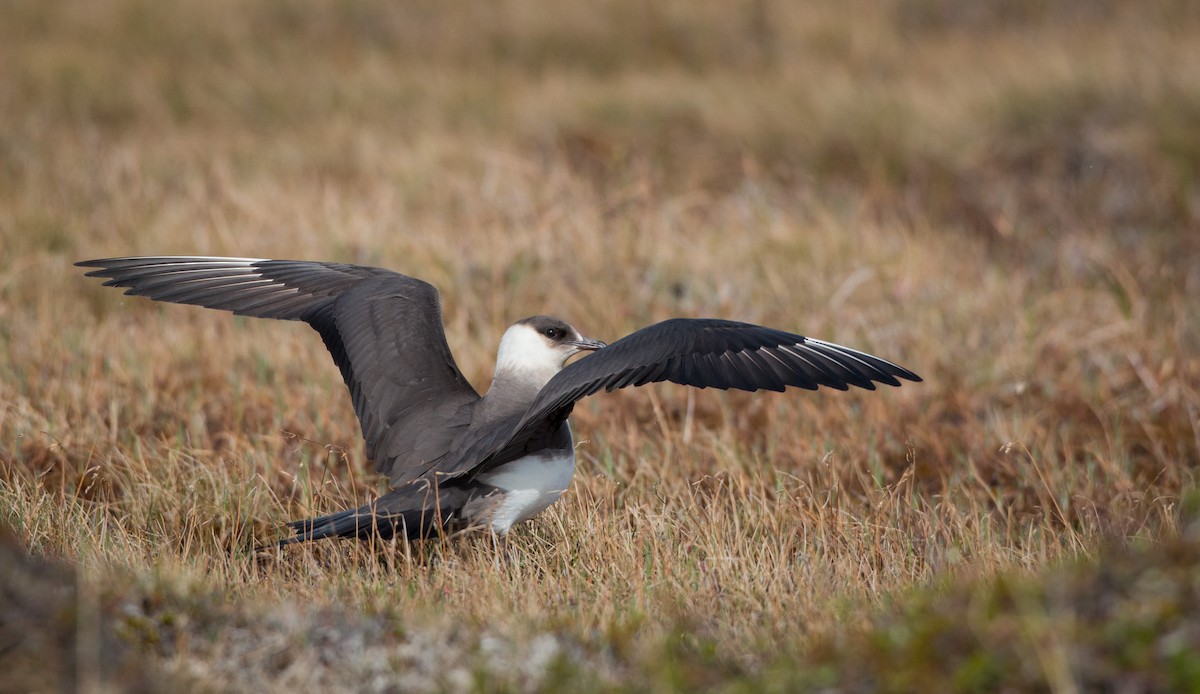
898	372
143	260
885	371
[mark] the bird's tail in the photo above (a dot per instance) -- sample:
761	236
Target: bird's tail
362	523
400	513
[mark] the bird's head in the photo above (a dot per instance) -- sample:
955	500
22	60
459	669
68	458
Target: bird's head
534	349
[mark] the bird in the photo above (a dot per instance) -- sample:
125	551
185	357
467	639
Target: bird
455	459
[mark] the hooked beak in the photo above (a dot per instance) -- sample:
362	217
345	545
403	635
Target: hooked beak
587	344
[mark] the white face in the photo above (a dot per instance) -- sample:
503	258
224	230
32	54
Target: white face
530	356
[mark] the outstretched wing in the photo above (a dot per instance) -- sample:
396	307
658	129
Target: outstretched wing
706	353
383	329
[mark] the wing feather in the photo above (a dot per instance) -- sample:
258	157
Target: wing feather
383	329
791	373
705	353
763	373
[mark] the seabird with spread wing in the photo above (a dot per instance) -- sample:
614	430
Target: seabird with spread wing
455	458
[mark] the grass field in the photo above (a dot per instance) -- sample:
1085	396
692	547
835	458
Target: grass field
1003	197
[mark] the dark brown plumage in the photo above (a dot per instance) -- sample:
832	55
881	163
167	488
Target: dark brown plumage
447	451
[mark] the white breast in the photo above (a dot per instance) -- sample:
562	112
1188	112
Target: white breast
531	484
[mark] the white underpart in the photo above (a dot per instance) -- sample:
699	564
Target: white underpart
531	484
527	355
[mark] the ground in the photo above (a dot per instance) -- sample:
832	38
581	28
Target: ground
1003	197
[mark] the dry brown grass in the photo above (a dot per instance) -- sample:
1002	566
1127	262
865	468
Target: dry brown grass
1007	202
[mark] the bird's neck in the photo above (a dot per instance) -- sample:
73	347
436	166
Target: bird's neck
512	392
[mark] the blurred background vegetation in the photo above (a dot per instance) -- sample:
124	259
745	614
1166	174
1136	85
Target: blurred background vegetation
1004	196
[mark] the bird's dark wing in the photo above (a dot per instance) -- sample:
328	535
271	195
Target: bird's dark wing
383	329
705	353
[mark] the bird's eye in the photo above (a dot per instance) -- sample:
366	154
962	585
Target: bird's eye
552	333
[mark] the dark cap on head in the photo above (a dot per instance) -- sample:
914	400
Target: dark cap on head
553	328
